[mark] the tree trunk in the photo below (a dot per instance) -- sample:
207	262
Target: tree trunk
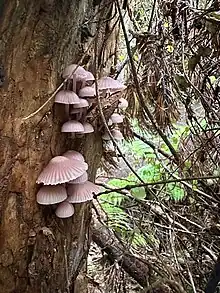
39	252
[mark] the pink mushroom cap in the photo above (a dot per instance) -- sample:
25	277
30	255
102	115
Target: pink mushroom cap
60	170
83	178
66	97
64	210
117	134
123	104
88	128
87	91
51	194
74	70
83	103
71	154
72	126
108	83
116	118
83	192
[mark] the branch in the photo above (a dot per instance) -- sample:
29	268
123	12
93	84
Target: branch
152	146
151	17
132	265
181	180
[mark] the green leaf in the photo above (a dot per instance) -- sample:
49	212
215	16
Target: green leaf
176	192
138	192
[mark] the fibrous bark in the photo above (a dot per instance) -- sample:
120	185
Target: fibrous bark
39	252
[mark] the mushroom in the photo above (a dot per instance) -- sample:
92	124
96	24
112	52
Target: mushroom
82	106
76	73
109	85
117	134
123	104
60	170
116	118
83	192
106	136
88	128
64	210
74	155
89	78
72	69
87	92
83	178
51	194
68	98
72	126
83	103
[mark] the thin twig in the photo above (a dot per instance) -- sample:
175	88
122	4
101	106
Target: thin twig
139	93
181	180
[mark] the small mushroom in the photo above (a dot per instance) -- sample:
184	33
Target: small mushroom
83	192
87	92
74	155
89	78
72	69
82	106
76	73
83	103
51	194
116	118
60	170
64	210
88	128
123	104
83	178
108	84
117	134
106	136
72	126
68	98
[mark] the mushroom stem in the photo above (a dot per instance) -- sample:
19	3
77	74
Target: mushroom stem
80	113
83	83
74	83
84	113
67	111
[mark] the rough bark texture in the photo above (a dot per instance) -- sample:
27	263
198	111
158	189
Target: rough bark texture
39	252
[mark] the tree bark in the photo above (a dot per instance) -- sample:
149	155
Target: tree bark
39	252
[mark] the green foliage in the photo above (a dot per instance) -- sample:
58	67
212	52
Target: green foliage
175	191
149	168
119	220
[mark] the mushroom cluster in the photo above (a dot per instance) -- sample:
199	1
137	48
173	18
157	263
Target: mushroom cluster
108	86
65	179
80	95
76	97
65	182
